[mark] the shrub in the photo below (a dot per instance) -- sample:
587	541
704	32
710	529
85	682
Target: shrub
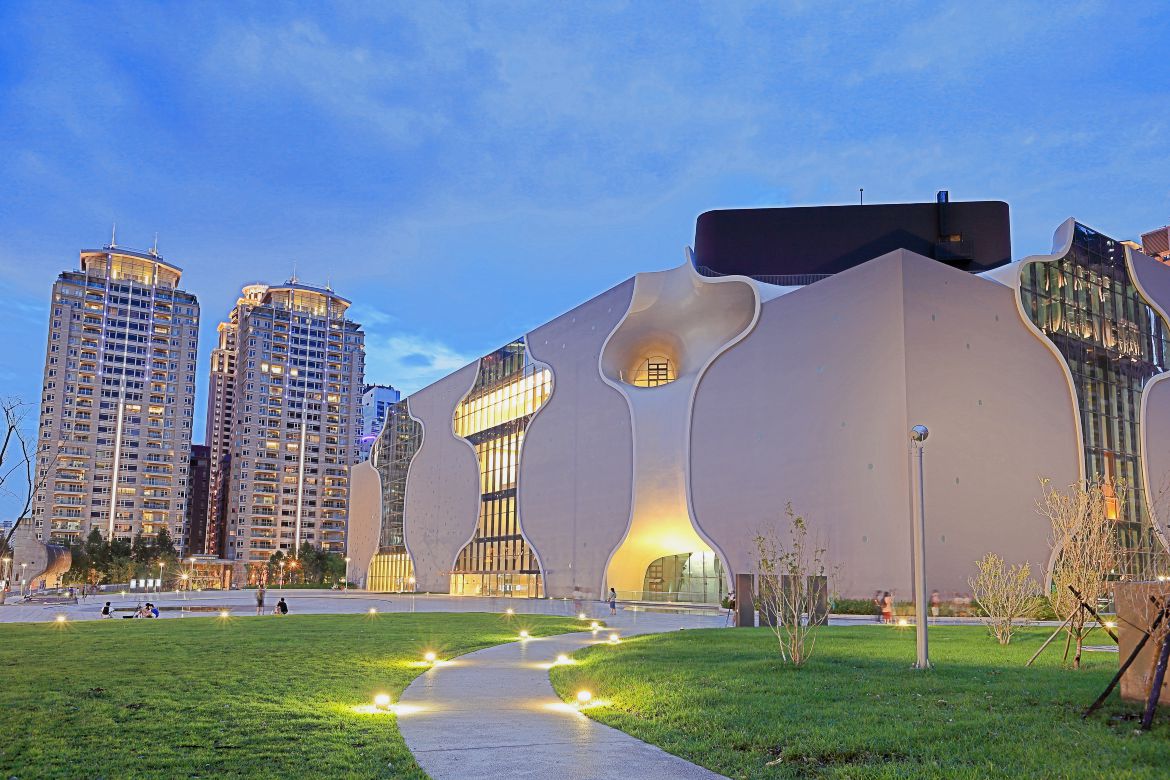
1006	596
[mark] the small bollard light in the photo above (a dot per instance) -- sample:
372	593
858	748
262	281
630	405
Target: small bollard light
373	610
429	657
903	622
509	611
584	697
1110	624
580	615
223	613
60	618
562	659
382	701
523	634
595	625
614	639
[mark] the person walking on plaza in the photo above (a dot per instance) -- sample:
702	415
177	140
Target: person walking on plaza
887	608
612	601
877	606
935	602
260	600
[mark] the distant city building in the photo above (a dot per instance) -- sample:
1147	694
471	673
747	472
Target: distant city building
199	477
1156	244
376	403
220	411
283	421
118	400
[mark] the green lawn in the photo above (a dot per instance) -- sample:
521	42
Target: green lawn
722	699
211	698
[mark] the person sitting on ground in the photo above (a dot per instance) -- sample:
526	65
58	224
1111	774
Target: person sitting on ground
281	607
153	610
143	611
107	611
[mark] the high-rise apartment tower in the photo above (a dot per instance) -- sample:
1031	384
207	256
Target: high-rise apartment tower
282	422
118	399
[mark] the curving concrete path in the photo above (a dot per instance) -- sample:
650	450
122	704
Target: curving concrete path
494	714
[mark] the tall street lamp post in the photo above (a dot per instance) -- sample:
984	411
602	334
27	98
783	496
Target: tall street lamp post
918	436
281	564
346	587
22	580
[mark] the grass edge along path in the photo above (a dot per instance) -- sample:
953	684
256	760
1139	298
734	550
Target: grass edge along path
239	697
722	699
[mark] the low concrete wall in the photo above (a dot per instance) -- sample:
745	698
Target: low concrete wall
1132	600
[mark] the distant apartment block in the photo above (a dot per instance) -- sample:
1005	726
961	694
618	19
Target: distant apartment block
377	402
199	476
220	408
118	400
283	420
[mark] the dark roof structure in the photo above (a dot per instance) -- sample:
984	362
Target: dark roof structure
813	241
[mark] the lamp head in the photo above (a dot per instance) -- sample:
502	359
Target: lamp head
919	433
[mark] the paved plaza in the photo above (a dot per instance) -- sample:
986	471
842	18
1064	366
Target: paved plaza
334	602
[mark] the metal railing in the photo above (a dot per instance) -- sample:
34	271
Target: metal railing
781	280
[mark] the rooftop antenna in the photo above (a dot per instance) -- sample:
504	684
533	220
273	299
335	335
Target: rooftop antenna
114	235
294	279
328	284
154	249
861	190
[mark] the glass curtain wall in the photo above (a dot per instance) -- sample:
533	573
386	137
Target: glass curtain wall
696	577
1113	342
493	417
401	436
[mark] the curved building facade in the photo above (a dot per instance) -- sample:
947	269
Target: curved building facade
644	439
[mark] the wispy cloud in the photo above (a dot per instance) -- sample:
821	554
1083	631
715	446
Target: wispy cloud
409	361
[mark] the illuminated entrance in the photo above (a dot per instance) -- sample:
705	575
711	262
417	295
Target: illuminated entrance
696	577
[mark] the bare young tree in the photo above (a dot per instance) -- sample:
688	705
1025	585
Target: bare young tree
1006	595
792	577
1085	548
18	460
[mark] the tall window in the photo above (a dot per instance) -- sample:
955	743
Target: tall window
493	417
1113	343
392	453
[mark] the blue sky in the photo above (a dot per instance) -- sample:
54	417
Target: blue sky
465	172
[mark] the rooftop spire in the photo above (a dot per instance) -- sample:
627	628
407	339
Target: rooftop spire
114	235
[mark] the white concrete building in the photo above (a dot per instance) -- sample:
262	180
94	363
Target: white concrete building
641	440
